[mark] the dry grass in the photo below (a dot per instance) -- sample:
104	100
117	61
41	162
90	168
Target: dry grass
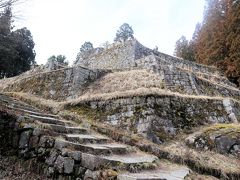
4	83
205	159
232	131
218	84
44	104
124	81
134	93
176	151
55	106
217	127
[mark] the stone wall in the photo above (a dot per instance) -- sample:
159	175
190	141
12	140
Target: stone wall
127	55
221	138
60	84
180	75
39	151
121	56
118	56
185	64
187	81
162	117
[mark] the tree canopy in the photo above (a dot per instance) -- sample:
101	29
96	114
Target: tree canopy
86	47
216	41
124	33
58	58
16	47
184	49
7	3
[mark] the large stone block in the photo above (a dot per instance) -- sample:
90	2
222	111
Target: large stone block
24	139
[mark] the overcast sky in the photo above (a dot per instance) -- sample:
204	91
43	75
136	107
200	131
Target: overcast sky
62	26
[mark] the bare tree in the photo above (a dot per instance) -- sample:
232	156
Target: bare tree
5	3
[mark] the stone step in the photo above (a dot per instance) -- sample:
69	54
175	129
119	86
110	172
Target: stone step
37	113
20	105
115	148
68	129
87	138
95	162
132	158
11	103
97	150
166	173
50	120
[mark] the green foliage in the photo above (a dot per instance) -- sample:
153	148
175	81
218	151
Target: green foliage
87	46
184	49
16	47
124	33
59	58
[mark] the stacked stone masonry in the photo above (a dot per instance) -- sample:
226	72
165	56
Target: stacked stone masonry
62	84
179	75
61	149
160	117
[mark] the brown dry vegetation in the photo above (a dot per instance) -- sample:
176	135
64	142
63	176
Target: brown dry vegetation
124	81
56	106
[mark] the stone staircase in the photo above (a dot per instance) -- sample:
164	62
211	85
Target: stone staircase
72	151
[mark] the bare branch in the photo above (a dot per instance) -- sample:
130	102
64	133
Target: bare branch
5	3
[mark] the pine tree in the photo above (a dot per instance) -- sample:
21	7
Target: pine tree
211	41
87	46
124	33
184	49
232	60
16	47
216	41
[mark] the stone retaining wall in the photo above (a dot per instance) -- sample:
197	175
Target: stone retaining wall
41	153
127	55
121	56
60	84
189	82
161	117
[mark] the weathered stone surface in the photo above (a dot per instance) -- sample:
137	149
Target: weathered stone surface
224	139
24	139
161	117
90	161
68	165
33	142
76	155
52	157
59	144
173	174
158	116
59	164
64	164
91	175
224	144
46	141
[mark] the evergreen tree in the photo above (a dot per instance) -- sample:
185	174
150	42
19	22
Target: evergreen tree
58	58
211	41
87	46
184	49
232	60
124	33
16	47
217	40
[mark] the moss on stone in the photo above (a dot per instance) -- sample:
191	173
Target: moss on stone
86	111
230	130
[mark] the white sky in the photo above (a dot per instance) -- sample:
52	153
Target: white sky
62	26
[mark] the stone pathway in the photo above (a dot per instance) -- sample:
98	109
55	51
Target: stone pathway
91	150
